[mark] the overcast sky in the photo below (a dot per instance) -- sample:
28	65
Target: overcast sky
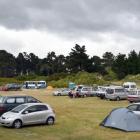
41	26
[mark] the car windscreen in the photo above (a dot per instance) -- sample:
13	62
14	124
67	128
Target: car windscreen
18	108
126	86
110	91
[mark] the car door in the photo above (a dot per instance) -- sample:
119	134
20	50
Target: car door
10	103
20	100
34	115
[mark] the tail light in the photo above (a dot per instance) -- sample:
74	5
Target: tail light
2	109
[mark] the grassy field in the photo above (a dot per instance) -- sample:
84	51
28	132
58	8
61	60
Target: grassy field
76	119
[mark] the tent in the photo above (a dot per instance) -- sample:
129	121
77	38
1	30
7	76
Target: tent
123	119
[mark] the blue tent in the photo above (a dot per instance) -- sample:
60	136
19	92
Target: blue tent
123	119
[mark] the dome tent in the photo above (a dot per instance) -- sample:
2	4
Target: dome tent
123	119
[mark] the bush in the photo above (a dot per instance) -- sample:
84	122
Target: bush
26	77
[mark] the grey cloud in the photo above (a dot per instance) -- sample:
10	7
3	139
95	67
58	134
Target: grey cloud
73	17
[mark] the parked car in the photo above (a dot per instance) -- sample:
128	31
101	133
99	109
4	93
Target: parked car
135	107
134	96
62	92
34	84
76	92
12	86
9	102
27	114
116	93
130	86
101	91
87	92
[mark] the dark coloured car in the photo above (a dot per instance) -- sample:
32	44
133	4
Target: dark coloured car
12	86
7	103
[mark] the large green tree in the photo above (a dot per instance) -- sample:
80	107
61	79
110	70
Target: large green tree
78	60
7	64
108	59
133	63
120	65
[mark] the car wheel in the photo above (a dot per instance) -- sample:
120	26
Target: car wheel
17	124
59	94
118	99
131	101
50	121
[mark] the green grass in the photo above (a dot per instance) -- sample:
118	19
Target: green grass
76	119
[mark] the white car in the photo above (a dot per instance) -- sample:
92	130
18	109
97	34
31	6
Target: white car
62	92
116	93
27	114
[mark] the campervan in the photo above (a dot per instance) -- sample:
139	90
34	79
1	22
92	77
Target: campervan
116	93
129	86
34	84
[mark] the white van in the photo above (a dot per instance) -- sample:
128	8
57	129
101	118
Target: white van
34	84
116	93
129	86
41	84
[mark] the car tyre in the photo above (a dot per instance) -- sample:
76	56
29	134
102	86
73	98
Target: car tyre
59	94
17	124
118	99
130	101
50	121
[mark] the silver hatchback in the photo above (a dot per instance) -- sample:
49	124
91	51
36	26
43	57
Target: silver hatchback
27	114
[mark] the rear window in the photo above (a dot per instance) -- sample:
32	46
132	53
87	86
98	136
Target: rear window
133	93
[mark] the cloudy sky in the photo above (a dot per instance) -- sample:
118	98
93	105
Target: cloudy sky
41	26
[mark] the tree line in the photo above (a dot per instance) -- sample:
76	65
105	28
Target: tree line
77	60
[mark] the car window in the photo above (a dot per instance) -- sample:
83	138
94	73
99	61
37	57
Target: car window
119	90
110	91
10	100
84	89
133	86
133	93
138	92
36	108
20	100
126	86
31	109
42	107
32	100
1	99
132	107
